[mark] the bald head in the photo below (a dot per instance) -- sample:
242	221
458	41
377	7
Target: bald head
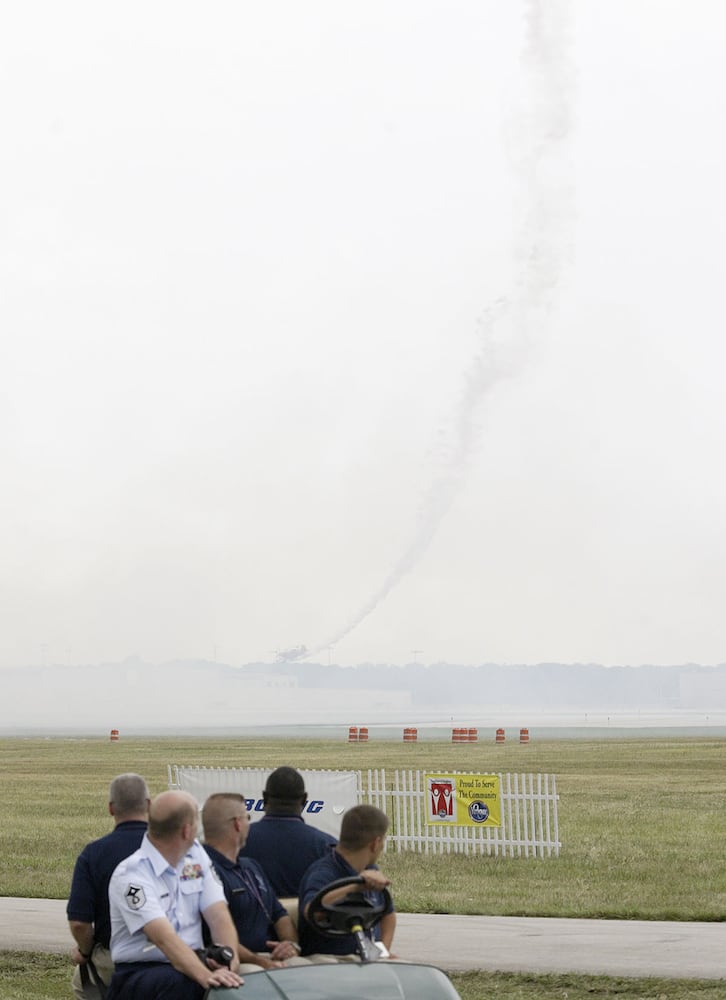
169	812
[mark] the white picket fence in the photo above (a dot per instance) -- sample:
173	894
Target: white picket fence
528	828
528	808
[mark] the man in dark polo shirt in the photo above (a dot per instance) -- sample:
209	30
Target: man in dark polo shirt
282	842
267	935
88	911
362	836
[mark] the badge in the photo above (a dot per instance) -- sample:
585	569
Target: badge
135	897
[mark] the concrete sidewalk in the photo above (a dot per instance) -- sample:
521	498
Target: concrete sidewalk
457	943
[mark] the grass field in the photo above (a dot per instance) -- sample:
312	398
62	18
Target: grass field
642	824
31	976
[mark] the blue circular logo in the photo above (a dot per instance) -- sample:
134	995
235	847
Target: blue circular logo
479	812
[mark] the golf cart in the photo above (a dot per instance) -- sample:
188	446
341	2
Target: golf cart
369	979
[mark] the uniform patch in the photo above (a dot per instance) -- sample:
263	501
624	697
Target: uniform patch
190	870
135	897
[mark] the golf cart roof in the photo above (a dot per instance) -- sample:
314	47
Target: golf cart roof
341	981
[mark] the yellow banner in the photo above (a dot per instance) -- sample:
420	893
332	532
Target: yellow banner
463	799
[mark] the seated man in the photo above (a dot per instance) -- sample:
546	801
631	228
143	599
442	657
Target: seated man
88	916
282	842
362	836
267	935
158	897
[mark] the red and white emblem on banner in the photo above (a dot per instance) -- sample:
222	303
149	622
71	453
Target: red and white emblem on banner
442	799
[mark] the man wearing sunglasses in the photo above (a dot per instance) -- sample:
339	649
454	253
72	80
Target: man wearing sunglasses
267	935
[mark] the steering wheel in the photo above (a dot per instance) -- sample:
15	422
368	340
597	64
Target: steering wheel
351	913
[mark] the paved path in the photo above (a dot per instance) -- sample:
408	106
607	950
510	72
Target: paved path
456	943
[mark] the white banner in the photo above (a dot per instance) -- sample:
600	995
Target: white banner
329	793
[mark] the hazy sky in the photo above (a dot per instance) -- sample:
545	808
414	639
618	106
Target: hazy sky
395	324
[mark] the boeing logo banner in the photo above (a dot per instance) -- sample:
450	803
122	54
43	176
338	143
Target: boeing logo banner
329	793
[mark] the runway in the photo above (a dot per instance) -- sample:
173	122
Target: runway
457	943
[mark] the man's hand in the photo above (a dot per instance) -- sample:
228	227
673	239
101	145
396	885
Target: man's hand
374	879
83	941
223	977
282	950
267	963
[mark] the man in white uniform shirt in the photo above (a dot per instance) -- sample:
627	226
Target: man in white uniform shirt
158	897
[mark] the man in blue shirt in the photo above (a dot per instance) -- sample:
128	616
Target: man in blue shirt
282	842
88	917
362	836
267	935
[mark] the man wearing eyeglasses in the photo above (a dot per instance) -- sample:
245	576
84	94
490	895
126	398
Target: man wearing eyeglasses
267	935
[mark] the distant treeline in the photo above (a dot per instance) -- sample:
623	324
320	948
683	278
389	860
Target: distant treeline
549	685
134	694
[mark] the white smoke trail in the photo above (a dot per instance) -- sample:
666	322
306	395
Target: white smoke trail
536	140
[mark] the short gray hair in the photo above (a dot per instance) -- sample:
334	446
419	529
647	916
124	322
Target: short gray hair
129	795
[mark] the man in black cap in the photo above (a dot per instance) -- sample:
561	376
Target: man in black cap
282	842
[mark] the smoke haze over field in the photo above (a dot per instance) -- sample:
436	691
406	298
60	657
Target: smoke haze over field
135	696
393	327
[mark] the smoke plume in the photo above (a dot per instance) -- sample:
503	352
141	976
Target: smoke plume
536	135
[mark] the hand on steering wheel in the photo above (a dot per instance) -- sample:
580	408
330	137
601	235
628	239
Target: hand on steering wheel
352	912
